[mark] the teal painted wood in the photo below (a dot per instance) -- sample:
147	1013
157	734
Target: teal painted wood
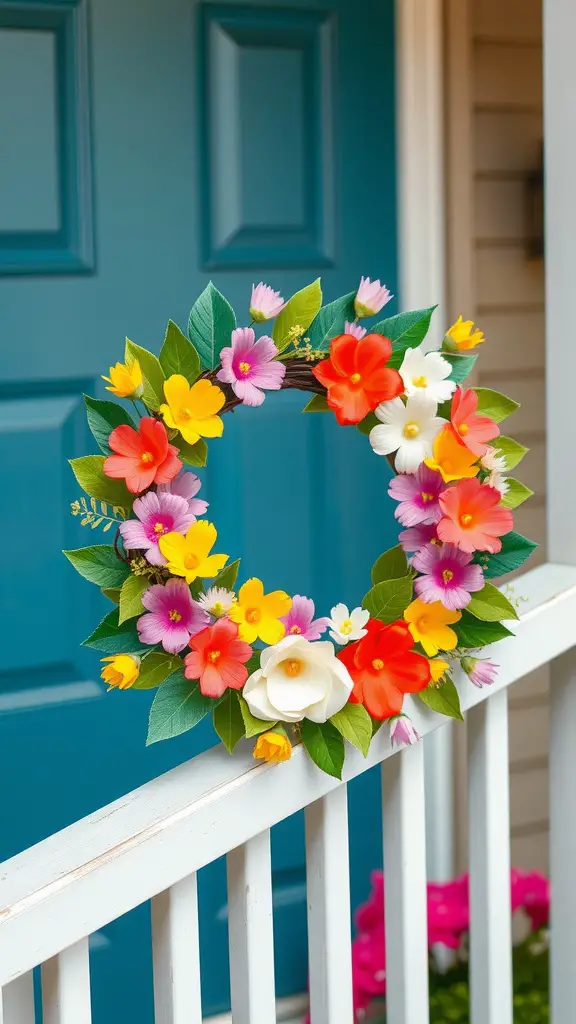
293	179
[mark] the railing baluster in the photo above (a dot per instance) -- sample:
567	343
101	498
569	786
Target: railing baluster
329	928
489	860
17	1001
251	934
176	954
405	887
66	986
563	838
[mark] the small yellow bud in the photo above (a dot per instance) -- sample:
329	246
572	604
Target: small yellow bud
273	747
122	670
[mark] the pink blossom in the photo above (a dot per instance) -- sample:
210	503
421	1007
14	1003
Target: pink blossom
157	514
417	536
370	297
447	576
402	731
531	893
354	329
480	671
300	619
186	485
418	494
249	365
265	302
173	617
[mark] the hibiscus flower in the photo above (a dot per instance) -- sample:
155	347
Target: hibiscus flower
356	376
384	668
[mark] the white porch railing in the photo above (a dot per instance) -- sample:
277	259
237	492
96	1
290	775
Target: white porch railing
151	843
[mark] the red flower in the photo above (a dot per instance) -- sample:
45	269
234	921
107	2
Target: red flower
217	659
356	376
472	430
144	456
384	668
473	518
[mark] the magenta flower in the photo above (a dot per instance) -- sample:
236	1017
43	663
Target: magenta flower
402	731
370	297
172	617
417	537
157	514
265	302
354	329
481	672
418	495
448	576
249	365
186	485
300	619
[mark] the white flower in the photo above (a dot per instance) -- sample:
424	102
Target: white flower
347	625
408	429
217	601
493	462
298	679
425	373
499	482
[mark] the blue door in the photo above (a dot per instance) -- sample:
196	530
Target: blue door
146	148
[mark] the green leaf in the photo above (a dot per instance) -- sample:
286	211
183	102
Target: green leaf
155	668
178	706
444	699
369	421
461	366
406	330
178	355
512	451
99	564
153	394
329	322
92	479
227	576
317	403
253	663
392	565
103	417
515	550
112	593
490	605
252	726
493	404
131	596
228	720
474	633
355	725
325	746
210	325
388	601
299	311
192	454
516	493
113	638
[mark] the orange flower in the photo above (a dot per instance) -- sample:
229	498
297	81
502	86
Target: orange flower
143	457
451	458
473	519
462	335
356	376
384	668
472	430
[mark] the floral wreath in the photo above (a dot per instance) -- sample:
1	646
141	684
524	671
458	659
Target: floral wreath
258	661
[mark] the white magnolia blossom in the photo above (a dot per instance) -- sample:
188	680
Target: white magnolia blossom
426	373
217	601
298	679
345	626
410	430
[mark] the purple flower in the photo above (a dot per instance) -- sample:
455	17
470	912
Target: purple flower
354	329
248	366
186	485
481	672
370	297
157	514
300	620
448	576
418	495
417	537
402	731
172	617
265	302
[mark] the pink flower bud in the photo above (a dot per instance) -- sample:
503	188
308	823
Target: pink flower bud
355	330
480	671
402	731
370	297
265	303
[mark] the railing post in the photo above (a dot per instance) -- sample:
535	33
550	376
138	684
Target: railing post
17	1001
176	954
66	986
251	933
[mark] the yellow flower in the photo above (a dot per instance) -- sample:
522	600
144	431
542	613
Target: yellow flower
451	458
273	747
430	626
438	668
122	671
125	380
463	336
257	614
190	556
192	410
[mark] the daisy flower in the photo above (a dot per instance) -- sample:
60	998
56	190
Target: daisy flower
418	495
426	373
447	576
217	601
409	430
345	625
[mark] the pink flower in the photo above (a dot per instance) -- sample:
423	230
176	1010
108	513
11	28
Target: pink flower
418	494
370	297
531	893
481	672
448	912
355	330
300	619
447	575
265	302
248	365
402	731
172	617
157	514
186	485
416	537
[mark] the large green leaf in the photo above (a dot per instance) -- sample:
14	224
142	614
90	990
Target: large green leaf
227	576
325	746
516	493
491	605
388	601
115	638
178	706
461	366
112	593
90	474
512	451
210	325
405	330
329	322
392	565
252	726
155	668
317	403
99	564
355	725
131	596
515	550
493	404
228	720
153	394
299	311
178	355
474	633
103	417
192	454
444	699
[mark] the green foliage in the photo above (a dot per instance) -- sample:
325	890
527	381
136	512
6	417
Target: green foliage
192	454
392	565
461	366
512	451
329	322
369	421
227	576
103	417
355	725
406	330
153	394
177	707
490	605
252	726
473	633
298	313
155	668
229	720
90	474
515	550
112	593
325	746
94	515
210	325
493	404
387	601
114	638
178	355
516	493
99	564
443	698
131	597
317	403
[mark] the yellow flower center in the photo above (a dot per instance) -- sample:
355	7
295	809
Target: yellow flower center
422	624
447	575
294	629
292	667
426	497
244	368
377	664
253	615
466	519
355	378
185	414
213	656
411	430
159	528
146	457
191	561
174	616
436	541
420	382
463	429
346	627
217	609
